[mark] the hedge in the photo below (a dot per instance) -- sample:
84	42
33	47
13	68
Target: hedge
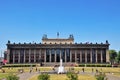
19	65
95	65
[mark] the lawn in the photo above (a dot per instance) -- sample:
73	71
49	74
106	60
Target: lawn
64	77
117	74
3	75
87	69
115	71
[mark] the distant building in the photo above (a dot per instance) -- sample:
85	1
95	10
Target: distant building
52	50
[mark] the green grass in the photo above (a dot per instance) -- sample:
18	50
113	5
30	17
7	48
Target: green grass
116	74
64	77
88	69
115	71
3	75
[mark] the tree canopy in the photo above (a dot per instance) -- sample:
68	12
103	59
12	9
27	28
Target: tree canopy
113	54
118	57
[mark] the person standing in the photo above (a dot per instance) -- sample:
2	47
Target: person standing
92	70
83	69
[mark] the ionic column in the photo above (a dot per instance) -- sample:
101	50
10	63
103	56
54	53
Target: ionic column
60	54
50	55
86	56
34	55
91	55
18	56
8	55
24	56
13	56
45	55
29	55
101	56
55	56
65	56
80	56
70	56
40	55
107	55
75	55
96	56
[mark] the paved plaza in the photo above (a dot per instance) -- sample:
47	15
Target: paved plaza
27	75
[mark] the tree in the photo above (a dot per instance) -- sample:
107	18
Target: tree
113	55
118	57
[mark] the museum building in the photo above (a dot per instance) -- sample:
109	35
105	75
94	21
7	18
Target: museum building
51	50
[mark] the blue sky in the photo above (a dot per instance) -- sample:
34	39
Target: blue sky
88	20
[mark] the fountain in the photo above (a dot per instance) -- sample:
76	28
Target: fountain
60	68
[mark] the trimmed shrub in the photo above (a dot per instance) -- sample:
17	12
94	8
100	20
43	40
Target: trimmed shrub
95	65
44	77
72	76
103	65
92	65
81	65
12	77
18	65
100	76
108	65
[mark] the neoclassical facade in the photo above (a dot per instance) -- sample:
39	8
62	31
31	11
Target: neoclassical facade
52	50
